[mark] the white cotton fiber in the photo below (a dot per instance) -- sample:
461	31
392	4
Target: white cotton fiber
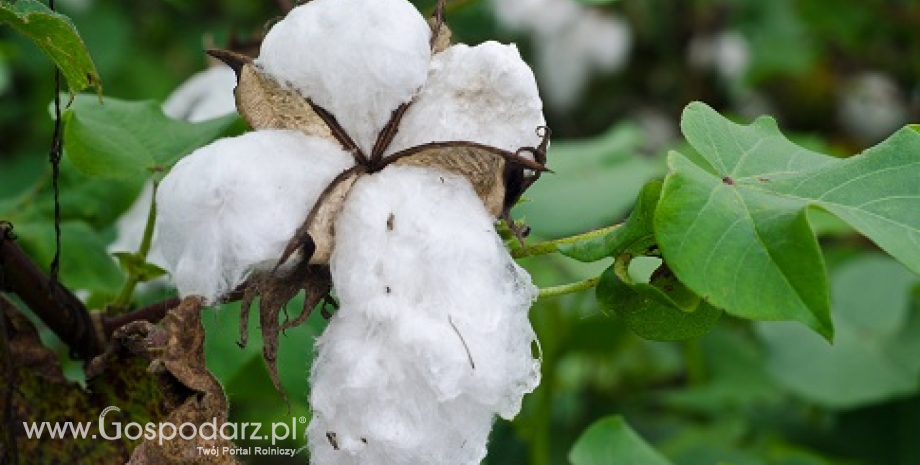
592	44
234	204
432	337
206	95
485	94
358	59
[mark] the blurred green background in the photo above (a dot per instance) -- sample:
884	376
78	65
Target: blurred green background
839	75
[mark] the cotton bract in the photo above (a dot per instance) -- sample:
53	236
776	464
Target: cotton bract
431	340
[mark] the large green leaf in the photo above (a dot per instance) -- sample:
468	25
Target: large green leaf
121	139
739	233
877	352
612	441
57	37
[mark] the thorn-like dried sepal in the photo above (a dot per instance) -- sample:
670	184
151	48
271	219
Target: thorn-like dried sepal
265	104
236	61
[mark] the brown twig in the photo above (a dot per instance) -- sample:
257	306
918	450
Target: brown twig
57	307
152	313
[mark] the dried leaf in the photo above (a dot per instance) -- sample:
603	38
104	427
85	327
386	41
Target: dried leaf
191	393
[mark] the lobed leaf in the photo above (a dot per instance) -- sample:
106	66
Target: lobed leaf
738	231
57	38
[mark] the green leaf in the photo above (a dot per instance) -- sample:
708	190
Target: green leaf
85	264
57	38
611	441
662	309
635	234
876	354
134	265
122	139
741	235
609	173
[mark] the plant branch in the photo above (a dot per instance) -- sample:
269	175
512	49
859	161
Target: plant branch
152	313
549	247
556	291
57	307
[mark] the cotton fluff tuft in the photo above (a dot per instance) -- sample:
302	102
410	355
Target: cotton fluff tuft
233	205
486	94
572	42
427	290
206	95
358	59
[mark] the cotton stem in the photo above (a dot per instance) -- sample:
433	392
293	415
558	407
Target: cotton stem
127	291
549	247
571	288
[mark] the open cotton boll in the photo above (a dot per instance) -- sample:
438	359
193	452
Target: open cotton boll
358	59
431	339
486	94
542	16
567	60
234	204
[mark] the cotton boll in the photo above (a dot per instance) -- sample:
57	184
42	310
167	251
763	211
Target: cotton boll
358	59
432	337
234	204
547	17
872	106
572	42
206	95
485	94
728	53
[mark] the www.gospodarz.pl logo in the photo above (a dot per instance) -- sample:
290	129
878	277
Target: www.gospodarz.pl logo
167	431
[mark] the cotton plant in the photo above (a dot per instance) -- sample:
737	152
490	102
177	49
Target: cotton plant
381	159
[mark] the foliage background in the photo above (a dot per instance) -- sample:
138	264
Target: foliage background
746	393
